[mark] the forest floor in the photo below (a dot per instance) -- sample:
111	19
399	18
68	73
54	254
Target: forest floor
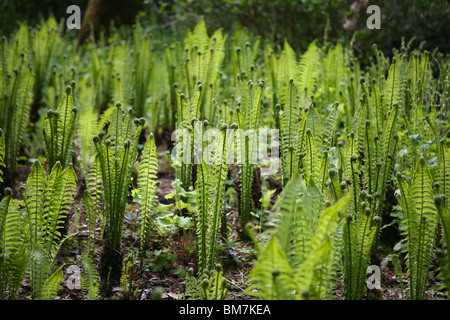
173	255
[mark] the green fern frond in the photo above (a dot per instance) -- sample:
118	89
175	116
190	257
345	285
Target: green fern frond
308	70
61	189
421	219
59	131
52	285
271	277
36	186
147	171
91	279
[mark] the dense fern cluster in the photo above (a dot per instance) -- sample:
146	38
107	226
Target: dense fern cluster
355	143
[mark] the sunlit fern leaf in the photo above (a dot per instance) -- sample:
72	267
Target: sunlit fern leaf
105	118
288	133
147	171
271	277
444	256
328	133
288	65
15	112
36	186
315	123
52	285
91	280
44	44
91	220
388	146
210	190
60	199
95	186
370	153
309	206
88	127
443	176
59	131
202	189
421	219
365	231
424	227
285	219
392	92
40	268
311	160
12	247
308	71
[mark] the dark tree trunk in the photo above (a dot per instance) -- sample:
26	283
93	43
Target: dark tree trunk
100	13
110	268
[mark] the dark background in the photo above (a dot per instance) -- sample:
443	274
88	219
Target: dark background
298	21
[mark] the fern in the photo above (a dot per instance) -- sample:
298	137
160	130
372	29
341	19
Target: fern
271	277
288	144
45	284
59	131
2	154
210	190
15	89
148	168
275	276
91	219
44	45
91	279
421	219
116	156
12	248
47	202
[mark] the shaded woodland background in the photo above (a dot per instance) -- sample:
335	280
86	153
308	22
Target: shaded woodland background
299	21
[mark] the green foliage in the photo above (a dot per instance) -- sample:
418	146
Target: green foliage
421	220
91	279
210	190
148	167
15	94
47	202
211	286
346	128
117	152
13	248
299	255
44	43
59	131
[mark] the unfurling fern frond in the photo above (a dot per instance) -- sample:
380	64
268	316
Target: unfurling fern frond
59	131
